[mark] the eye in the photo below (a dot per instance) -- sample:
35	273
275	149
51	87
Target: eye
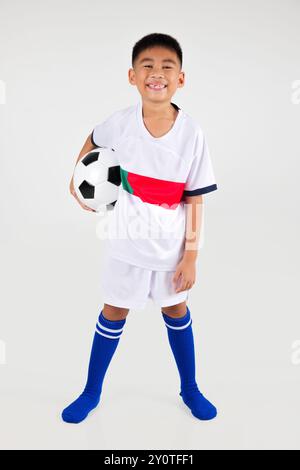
166	67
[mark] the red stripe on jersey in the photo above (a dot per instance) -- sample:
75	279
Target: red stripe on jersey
156	191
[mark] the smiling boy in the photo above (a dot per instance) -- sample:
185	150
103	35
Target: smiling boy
165	170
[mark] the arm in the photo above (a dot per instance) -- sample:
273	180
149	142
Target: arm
186	269
87	147
194	208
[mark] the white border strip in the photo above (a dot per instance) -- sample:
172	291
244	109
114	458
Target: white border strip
107	336
179	327
110	330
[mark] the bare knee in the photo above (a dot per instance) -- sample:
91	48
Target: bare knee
115	313
175	311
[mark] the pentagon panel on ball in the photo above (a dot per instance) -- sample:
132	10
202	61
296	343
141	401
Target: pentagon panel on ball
97	179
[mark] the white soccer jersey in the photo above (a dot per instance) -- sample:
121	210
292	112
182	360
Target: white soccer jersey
147	224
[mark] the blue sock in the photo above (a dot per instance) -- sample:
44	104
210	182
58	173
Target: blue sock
181	340
105	342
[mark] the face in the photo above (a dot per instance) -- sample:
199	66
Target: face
157	66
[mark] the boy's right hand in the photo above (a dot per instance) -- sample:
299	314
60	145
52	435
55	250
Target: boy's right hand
73	192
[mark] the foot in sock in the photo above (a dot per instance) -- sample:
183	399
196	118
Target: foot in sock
180	334
200	407
105	342
80	408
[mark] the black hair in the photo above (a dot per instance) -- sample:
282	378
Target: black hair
156	39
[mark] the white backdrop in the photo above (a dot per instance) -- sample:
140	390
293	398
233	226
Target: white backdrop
63	69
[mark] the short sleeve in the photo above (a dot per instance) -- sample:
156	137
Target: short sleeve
104	134
201	178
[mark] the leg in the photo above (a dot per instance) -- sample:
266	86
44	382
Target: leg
114	313
175	311
181	340
106	338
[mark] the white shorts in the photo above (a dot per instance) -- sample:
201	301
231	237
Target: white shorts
129	286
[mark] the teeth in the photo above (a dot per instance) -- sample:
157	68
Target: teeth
156	86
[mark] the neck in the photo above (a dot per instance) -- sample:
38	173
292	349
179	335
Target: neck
158	110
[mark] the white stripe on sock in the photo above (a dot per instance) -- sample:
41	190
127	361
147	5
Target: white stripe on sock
110	330
179	327
107	336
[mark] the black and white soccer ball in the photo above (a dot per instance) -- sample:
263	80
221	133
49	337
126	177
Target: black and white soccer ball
97	179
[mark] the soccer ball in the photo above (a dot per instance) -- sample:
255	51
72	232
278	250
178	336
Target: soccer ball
97	179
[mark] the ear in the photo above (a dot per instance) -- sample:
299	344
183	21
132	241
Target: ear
181	79
131	76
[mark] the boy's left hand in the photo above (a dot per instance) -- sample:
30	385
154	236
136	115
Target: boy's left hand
185	274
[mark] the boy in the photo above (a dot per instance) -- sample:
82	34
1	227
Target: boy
165	169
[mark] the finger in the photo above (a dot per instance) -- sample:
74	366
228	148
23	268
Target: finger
84	206
185	285
76	197
176	276
81	203
179	287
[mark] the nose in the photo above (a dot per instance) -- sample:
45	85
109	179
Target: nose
157	76
156	71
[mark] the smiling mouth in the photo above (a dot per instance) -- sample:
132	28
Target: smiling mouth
156	88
